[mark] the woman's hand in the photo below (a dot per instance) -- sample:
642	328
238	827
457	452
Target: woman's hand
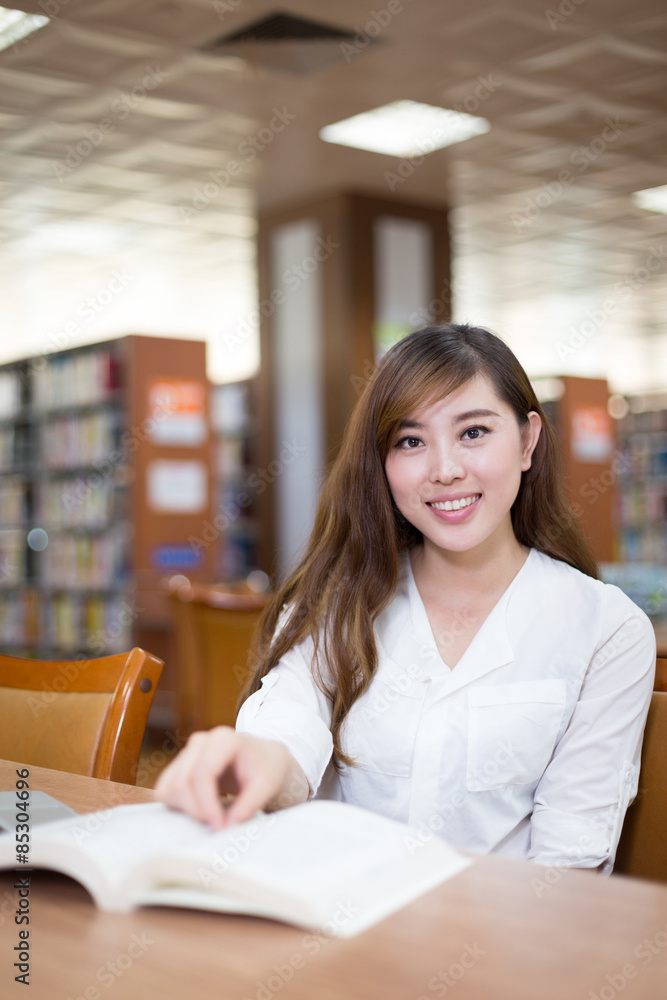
261	773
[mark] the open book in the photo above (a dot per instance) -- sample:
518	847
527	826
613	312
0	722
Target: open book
321	865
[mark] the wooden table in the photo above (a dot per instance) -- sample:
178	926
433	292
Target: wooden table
501	930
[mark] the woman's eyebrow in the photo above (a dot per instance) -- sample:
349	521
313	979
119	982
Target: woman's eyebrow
473	414
414	424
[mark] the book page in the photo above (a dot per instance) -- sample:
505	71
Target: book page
101	849
322	864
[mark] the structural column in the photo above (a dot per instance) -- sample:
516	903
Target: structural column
340	280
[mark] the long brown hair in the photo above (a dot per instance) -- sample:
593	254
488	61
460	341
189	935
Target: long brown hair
350	570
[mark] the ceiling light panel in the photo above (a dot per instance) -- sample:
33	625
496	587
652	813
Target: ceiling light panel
15	25
652	199
405	128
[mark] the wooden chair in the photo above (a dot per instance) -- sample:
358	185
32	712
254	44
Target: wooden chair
214	626
81	716
642	850
660	683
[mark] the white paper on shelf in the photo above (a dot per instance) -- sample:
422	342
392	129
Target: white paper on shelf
176	487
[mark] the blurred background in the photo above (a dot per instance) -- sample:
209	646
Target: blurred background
168	197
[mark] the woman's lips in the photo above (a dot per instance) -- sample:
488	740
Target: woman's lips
445	510
457	503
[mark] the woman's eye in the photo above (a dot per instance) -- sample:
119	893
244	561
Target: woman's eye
408	442
474	433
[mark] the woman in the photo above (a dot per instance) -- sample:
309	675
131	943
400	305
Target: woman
444	653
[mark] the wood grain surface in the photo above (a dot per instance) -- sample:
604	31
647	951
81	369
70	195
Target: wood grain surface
501	930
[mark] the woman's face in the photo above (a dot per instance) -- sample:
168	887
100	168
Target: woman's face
454	467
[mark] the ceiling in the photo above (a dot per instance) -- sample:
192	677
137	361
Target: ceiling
117	132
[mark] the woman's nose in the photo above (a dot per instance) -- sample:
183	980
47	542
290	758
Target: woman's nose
446	467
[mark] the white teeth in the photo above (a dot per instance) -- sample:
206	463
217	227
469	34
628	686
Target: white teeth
455	504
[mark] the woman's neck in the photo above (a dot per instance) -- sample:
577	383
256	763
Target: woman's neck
464	575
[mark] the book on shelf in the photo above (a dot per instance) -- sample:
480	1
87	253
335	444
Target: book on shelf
10	394
77	379
77	429
322	865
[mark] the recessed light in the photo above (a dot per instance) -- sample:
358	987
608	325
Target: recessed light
652	199
15	25
405	128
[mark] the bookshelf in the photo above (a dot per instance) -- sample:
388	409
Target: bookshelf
17	604
641	514
614	460
105	462
641	507
236	488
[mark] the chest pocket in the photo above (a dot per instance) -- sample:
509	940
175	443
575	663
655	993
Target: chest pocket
380	729
512	732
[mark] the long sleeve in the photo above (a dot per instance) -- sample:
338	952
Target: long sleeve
581	800
290	707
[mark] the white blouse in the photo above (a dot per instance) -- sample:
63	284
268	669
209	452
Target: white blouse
529	747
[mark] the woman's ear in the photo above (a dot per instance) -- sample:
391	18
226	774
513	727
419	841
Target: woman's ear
530	435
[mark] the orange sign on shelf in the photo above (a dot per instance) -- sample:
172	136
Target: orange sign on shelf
177	412
592	439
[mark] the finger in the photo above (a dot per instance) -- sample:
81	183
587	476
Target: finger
216	755
255	793
191	781
260	778
174	785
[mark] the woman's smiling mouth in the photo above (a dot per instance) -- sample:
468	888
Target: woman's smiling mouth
454	504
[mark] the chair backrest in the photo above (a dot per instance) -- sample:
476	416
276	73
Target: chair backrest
214	629
660	683
642	849
81	716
